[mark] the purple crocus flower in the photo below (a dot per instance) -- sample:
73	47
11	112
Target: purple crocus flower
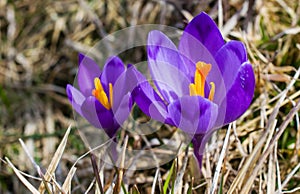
103	99
202	85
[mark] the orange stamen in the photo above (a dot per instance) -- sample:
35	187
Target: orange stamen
193	90
100	94
212	91
110	94
197	88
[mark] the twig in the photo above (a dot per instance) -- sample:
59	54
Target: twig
96	171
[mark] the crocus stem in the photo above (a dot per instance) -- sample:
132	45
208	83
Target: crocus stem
197	142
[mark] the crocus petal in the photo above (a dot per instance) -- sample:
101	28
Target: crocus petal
204	30
99	116
75	97
125	84
145	96
161	48
191	48
167	68
239	96
193	114
88	70
229	59
150	103
123	110
112	70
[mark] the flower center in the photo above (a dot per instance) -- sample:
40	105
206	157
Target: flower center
197	88
100	94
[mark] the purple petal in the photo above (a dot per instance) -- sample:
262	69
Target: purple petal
193	114
229	59
75	97
145	96
112	70
161	48
239	96
88	70
167	68
122	111
123	86
195	51
204	30
150	103
99	116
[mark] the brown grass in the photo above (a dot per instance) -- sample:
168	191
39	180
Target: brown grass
259	153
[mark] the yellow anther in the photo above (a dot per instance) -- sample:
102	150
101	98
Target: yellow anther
197	88
98	85
104	100
212	91
193	90
204	68
199	83
100	94
111	94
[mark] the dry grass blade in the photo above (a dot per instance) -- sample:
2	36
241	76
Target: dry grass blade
272	119
282	127
290	175
56	158
248	164
38	169
40	173
134	190
22	178
292	191
117	187
207	173
38	52
271	110
278	172
66	187
220	161
220	14
154	181
271	174
232	22
179	179
271	123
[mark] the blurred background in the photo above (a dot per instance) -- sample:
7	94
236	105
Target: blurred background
39	44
